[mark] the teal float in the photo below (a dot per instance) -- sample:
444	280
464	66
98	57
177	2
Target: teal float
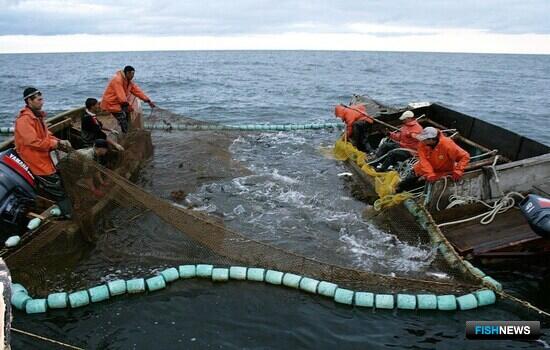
155	283
136	285
58	300
22	301
237	273
255	274
291	280
116	287
36	306
220	274
98	293
274	277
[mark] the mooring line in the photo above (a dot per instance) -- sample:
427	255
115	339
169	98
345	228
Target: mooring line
50	340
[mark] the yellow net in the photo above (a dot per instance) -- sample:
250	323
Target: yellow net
385	183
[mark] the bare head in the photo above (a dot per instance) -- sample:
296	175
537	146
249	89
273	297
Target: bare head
92	105
129	72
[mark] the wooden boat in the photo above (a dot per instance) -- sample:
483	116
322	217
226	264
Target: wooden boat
502	162
66	125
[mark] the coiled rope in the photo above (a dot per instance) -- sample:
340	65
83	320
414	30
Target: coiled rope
500	206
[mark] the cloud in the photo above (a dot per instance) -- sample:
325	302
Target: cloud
400	25
226	18
445	41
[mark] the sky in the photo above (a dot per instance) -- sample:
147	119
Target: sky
486	26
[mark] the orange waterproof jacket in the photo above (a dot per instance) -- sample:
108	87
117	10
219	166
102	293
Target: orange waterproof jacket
33	142
406	135
118	92
349	116
445	159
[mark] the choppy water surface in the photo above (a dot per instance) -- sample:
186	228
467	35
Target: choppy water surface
287	193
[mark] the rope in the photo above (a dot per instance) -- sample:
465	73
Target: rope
500	206
393	150
245	127
441	195
484	154
523	302
68	346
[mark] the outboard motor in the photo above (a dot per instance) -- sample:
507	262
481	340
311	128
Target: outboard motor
537	211
17	192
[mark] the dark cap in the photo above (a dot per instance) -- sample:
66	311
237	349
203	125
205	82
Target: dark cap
129	69
101	143
29	92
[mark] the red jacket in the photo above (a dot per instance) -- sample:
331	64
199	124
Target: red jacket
119	91
406	136
349	116
445	159
33	142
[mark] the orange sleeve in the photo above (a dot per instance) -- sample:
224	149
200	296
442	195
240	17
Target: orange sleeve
461	158
423	167
134	89
28	137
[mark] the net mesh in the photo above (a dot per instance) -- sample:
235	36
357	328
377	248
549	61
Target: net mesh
201	238
209	240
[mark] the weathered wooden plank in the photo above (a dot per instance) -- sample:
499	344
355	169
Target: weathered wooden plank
508	229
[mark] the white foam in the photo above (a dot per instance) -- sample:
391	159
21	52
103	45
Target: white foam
286	179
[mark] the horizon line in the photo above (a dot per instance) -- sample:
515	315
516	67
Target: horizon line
275	49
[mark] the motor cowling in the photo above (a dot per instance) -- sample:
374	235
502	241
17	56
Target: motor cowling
537	211
17	192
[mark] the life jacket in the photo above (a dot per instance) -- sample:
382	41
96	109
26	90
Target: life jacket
406	135
33	142
447	157
119	91
350	115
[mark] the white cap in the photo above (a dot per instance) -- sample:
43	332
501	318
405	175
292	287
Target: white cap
427	133
406	114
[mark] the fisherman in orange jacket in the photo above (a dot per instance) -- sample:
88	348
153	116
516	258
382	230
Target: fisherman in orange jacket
438	156
119	96
34	142
405	137
357	125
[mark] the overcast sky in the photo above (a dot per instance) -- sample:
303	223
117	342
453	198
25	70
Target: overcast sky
430	25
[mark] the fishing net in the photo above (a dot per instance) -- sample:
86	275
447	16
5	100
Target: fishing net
385	182
202	238
209	240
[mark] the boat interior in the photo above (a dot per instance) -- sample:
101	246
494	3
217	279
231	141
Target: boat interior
501	162
67	126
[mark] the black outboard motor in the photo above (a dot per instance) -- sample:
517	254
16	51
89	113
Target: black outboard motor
17	193
537	211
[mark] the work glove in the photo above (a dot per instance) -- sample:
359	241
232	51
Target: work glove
457	175
115	132
119	147
151	104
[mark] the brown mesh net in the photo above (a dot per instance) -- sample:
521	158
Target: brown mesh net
209	241
205	239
